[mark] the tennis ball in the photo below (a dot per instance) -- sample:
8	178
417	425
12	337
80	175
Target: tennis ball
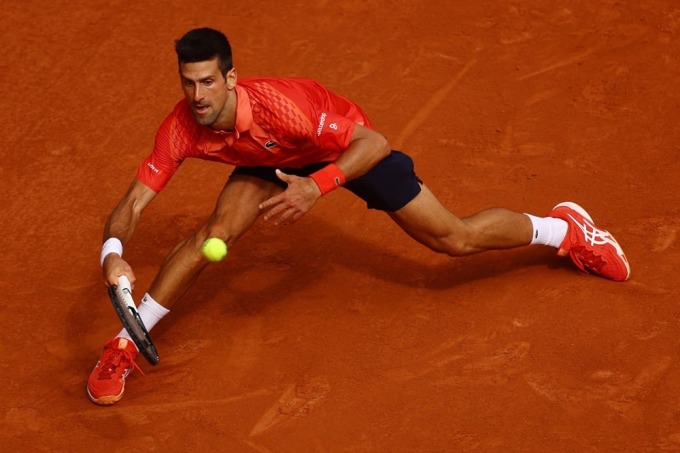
214	249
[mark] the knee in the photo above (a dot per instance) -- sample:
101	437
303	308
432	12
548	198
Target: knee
209	230
216	227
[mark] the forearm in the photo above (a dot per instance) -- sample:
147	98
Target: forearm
125	216
117	231
363	154
365	150
122	222
119	228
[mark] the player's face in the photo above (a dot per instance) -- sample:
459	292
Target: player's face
208	92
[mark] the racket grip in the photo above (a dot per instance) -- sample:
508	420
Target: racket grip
124	284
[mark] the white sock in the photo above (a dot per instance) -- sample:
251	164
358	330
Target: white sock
548	230
150	311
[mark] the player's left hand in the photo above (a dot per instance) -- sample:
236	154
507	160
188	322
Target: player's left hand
292	203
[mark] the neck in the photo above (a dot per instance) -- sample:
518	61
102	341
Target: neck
226	121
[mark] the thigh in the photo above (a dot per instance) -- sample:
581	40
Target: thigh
390	185
237	207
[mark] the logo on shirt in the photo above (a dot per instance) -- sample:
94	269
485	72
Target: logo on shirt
270	144
153	168
322	121
333	126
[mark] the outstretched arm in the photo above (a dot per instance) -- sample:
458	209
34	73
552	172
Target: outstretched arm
121	225
365	150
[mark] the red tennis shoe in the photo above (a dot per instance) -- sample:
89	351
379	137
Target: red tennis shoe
107	381
593	250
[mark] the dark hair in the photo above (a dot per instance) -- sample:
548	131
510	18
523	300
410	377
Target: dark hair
203	44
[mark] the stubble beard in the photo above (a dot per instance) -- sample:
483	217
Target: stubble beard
205	120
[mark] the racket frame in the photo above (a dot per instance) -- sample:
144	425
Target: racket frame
122	301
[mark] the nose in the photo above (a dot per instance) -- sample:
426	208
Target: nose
198	95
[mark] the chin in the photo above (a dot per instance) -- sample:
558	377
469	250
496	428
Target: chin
204	120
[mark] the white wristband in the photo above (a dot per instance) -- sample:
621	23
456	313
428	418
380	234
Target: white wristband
112	245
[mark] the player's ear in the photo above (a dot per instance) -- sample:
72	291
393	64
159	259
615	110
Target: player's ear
231	78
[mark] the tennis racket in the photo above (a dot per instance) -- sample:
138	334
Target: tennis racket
121	298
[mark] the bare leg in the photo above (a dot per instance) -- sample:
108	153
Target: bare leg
235	212
426	220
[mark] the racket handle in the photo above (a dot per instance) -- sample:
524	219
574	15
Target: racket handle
124	284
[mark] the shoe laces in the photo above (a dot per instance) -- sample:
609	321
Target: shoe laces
115	359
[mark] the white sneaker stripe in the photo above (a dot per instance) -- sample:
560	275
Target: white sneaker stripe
595	236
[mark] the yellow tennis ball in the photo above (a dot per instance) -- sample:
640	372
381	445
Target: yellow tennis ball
214	249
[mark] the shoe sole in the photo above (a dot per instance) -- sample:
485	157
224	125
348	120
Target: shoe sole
105	400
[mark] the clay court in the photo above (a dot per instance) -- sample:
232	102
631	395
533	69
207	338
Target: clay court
339	333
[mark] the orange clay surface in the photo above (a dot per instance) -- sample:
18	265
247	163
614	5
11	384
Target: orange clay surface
340	333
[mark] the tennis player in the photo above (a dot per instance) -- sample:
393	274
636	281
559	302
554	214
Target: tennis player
292	141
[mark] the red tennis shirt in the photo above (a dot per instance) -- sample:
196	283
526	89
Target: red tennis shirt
279	123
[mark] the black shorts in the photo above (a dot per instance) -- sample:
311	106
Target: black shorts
388	186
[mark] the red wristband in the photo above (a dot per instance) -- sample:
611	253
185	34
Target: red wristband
328	178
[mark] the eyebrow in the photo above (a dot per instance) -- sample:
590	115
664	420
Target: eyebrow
202	79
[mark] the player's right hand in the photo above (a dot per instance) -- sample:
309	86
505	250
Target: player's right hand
113	267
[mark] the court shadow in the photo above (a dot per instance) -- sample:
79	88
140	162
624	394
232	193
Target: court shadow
274	263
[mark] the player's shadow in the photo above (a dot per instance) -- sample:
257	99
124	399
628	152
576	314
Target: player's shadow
271	264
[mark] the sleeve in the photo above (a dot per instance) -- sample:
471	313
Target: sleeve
171	145
334	131
336	118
